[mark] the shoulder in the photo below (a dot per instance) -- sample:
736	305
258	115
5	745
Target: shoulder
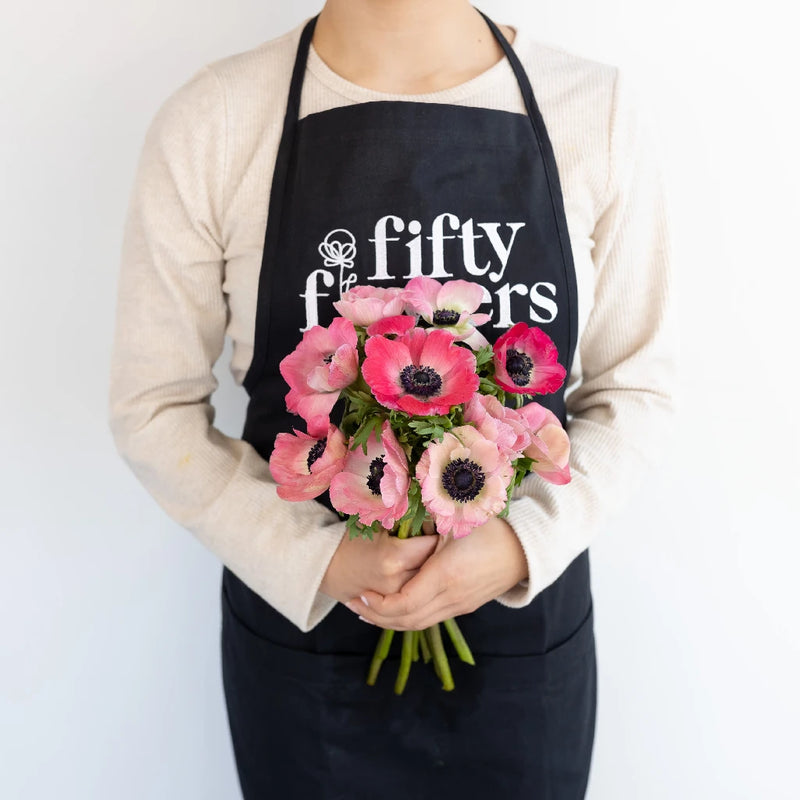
596	112
238	80
598	95
567	83
255	75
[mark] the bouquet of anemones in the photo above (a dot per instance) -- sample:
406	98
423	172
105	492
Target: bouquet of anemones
425	434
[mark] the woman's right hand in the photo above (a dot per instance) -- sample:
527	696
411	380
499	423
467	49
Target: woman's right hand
382	565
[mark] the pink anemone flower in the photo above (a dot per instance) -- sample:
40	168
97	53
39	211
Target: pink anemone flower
504	426
374	486
549	444
464	480
365	305
423	372
325	361
526	361
303	466
450	306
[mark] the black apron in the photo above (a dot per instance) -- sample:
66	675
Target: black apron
376	193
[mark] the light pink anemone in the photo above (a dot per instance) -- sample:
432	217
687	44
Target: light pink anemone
549	443
364	305
464	480
303	466
450	306
324	362
504	426
374	486
526	361
423	372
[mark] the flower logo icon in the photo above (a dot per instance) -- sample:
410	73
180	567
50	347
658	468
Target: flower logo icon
338	249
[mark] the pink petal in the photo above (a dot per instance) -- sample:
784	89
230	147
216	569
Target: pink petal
387	326
550	448
536	415
342	332
420	295
343	369
460	296
415	341
437	350
385	360
311	406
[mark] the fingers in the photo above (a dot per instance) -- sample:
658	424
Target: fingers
409	553
396	582
438	611
415	602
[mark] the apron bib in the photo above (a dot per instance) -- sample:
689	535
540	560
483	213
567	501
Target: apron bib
377	193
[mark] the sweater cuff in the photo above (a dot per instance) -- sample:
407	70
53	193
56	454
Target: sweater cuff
529	522
321	604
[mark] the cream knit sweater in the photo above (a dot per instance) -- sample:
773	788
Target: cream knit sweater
189	273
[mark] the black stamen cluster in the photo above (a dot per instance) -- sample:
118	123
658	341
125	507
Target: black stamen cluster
376	469
519	367
315	452
463	479
421	381
445	316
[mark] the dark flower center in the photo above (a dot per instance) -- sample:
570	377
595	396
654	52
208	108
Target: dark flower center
376	469
463	479
519	367
328	358
421	381
445	316
315	452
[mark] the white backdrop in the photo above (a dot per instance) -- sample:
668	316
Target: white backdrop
110	683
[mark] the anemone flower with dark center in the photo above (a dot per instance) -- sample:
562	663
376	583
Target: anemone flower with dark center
451	306
303	466
423	372
464	480
374	485
526	361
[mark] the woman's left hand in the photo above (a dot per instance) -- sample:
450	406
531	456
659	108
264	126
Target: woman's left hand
457	578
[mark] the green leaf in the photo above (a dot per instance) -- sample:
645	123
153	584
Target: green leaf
355	528
419	518
484	355
362	434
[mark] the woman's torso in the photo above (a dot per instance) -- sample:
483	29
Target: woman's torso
574	95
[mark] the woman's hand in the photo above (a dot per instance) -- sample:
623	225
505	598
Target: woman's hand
382	565
460	576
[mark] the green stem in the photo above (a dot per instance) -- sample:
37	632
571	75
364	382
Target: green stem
403	529
459	642
381	651
423	643
405	662
415	651
440	658
385	643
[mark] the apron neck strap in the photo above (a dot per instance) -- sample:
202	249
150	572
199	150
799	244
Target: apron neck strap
296	85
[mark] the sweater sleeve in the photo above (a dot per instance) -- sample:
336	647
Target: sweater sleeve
619	414
170	326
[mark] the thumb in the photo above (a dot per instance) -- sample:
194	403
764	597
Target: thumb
416	550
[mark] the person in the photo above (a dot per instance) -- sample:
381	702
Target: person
375	141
